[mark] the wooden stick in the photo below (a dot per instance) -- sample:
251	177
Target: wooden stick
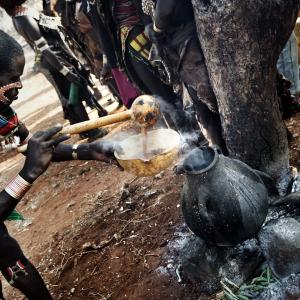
97	123
91	124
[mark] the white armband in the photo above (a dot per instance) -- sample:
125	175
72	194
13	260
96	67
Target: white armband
74	152
64	71
41	43
18	187
43	48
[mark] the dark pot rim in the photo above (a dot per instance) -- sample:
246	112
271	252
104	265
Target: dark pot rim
210	166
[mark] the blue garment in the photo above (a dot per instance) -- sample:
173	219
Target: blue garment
288	63
5	116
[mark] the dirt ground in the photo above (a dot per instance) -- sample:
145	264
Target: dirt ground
93	231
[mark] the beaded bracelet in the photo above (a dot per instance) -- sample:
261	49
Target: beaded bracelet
74	151
18	187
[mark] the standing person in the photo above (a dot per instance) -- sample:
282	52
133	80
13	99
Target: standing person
124	25
288	64
57	64
83	41
173	31
125	89
42	148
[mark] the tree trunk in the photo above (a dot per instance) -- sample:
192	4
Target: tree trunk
241	41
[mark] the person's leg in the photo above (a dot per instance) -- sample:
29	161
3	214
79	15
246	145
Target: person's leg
73	113
62	87
194	74
287	64
210	122
90	98
17	269
1	292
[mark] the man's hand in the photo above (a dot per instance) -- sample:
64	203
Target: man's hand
104	151
39	152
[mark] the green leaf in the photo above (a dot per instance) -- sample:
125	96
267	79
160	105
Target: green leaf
241	297
15	216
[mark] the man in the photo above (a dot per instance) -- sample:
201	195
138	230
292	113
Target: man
83	41
122	24
173	31
288	64
42	148
63	71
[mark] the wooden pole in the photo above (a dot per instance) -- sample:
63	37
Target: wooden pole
91	124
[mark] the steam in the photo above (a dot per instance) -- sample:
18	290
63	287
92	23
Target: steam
174	116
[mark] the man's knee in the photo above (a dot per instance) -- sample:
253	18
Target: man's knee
10	252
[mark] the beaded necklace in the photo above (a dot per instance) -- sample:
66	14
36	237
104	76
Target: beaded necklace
8	118
6	88
9	122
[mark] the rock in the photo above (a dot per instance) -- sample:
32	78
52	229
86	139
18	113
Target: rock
130	205
160	175
26	223
86	246
125	193
150	193
205	266
280	243
56	185
200	265
84	170
71	204
288	288
242	261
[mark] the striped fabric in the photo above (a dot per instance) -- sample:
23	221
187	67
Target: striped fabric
139	44
8	121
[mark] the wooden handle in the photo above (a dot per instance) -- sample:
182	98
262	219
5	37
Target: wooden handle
91	124
97	123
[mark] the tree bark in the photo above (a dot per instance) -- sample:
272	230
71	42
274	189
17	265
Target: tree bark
241	41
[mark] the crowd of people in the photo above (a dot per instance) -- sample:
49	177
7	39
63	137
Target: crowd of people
133	47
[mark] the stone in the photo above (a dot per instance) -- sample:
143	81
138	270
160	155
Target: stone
150	193
289	288
125	193
205	266
280	243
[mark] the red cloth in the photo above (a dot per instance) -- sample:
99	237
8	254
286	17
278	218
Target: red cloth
127	91
12	124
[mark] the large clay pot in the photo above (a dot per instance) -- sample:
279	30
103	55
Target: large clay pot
224	201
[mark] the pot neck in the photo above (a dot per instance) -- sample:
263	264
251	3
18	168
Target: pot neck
206	168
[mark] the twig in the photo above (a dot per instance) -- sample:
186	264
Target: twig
82	253
149	219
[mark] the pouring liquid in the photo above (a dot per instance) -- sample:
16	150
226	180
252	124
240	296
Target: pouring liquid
145	142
